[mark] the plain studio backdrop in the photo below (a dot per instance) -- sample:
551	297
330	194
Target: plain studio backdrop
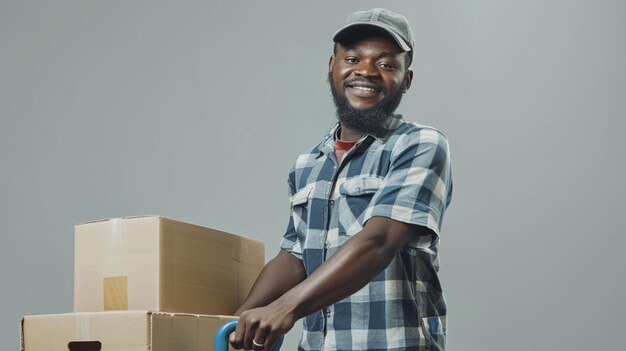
195	110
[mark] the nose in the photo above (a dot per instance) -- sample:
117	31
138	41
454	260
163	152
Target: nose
365	68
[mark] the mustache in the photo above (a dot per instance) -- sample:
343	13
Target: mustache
378	84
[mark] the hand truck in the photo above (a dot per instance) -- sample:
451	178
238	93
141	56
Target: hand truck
221	337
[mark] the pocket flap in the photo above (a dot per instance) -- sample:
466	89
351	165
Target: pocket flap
301	196
360	185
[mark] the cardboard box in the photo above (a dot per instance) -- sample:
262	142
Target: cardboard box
123	330
152	263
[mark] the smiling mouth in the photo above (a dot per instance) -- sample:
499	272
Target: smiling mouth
364	89
363	92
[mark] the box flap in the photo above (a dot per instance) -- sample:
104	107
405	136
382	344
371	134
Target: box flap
116	262
112	218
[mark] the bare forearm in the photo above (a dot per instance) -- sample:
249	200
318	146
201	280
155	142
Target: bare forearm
350	268
279	275
346	272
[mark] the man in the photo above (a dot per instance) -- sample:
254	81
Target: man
359	258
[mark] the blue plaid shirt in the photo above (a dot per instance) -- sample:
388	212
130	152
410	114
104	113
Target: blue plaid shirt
404	175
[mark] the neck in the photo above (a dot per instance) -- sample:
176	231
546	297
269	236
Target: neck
348	134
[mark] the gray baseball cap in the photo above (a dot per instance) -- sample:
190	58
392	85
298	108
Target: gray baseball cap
391	23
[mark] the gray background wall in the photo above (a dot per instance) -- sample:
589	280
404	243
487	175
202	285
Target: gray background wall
196	109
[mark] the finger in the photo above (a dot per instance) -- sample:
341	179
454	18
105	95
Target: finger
231	340
271	338
258	345
249	334
237	336
259	338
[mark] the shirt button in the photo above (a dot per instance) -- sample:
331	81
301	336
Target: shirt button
332	203
326	244
327	312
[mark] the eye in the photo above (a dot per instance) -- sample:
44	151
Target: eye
351	59
387	66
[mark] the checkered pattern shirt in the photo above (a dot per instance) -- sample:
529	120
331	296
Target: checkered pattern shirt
404	175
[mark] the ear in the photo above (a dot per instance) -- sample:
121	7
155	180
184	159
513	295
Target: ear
407	80
331	62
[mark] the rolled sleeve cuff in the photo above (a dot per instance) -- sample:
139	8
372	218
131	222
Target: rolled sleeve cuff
425	217
292	247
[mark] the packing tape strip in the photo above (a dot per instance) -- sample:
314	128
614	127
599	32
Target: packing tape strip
114	287
116	232
112	247
83	327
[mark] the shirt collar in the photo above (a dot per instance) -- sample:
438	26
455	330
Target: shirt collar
393	122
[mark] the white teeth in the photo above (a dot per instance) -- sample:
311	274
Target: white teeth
364	88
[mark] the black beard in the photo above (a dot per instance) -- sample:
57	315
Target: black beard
371	120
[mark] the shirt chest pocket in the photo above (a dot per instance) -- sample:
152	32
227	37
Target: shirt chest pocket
300	208
355	196
359	186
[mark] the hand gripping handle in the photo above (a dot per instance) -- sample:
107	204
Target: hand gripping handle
221	337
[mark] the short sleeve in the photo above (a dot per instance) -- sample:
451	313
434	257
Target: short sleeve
418	187
290	241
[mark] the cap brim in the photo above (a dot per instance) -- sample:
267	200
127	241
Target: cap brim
355	26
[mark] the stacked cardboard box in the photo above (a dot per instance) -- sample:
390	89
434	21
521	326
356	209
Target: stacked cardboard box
149	283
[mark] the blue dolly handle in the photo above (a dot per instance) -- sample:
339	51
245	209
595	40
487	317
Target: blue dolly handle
221	337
